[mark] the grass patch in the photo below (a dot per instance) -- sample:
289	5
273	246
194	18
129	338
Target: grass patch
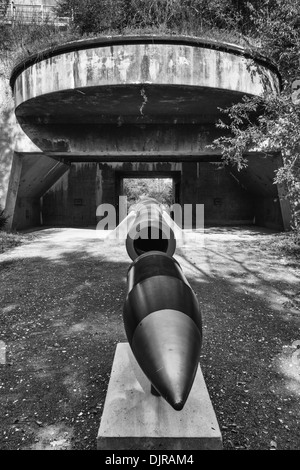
283	244
11	240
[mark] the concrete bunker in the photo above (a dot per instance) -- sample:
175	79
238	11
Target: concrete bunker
103	108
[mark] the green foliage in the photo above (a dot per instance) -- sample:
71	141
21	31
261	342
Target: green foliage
282	244
276	24
3	219
21	40
157	16
276	129
91	16
157	188
221	20
271	123
11	240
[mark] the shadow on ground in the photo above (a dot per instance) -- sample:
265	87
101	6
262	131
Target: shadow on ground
61	316
251	329
61	320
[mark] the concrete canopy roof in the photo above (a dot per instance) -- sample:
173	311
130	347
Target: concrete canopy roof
148	79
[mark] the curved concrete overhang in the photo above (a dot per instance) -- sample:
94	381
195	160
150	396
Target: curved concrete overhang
140	80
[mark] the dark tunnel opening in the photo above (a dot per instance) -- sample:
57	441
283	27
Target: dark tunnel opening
150	240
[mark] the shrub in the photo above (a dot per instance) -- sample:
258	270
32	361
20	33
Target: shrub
3	219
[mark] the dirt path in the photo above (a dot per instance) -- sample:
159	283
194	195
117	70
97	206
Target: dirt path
61	317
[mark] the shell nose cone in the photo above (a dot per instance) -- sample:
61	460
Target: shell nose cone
178	405
167	345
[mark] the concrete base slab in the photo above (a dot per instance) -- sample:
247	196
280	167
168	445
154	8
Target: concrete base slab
134	419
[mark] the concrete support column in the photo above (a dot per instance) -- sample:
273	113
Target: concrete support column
13	187
27	213
108	184
189	186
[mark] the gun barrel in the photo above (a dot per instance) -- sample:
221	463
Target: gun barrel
150	231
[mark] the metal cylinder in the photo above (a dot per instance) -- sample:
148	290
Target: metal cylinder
163	325
149	231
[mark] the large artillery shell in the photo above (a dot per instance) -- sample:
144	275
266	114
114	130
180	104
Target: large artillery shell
163	325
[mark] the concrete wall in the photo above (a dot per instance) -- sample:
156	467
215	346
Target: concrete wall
224	199
46	3
91	103
31	176
27	213
268	212
73	200
63	96
12	139
7	134
132	64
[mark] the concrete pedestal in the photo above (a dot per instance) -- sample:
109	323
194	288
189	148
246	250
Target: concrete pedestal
134	419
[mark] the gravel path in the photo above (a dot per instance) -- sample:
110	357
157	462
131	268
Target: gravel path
61	317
